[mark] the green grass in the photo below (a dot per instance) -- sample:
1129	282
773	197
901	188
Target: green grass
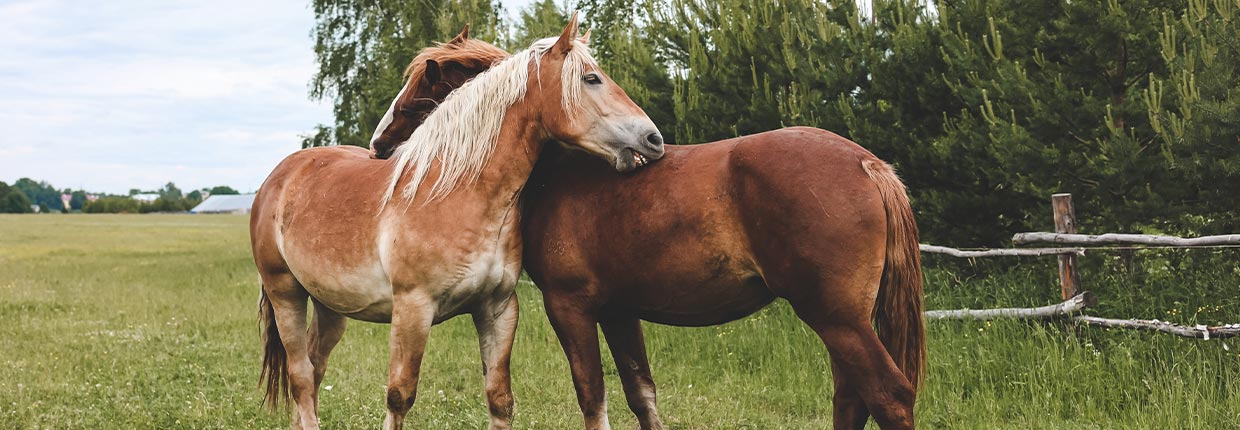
148	322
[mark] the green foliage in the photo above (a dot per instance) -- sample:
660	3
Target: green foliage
986	106
40	193
77	200
543	18
223	190
170	192
122	204
13	200
112	205
170	200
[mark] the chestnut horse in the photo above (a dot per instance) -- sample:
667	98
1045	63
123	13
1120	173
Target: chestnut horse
441	237
713	233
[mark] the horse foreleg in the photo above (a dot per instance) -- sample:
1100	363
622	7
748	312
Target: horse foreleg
290	311
628	348
325	332
412	316
578	335
497	327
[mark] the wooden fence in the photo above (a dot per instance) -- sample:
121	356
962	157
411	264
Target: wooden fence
1075	300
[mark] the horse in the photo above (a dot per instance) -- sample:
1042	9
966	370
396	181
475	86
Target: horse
441	237
797	213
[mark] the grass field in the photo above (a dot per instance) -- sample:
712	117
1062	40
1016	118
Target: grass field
148	322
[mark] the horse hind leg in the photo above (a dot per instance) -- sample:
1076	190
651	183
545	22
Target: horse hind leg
497	327
867	380
887	393
628	348
288	303
850	411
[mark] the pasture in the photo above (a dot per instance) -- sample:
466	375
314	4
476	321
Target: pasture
148	322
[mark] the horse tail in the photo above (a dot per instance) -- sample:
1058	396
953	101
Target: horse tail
898	308
275	359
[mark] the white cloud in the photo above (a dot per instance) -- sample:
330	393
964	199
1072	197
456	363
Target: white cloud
120	94
109	96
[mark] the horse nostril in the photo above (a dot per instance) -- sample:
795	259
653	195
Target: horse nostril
654	139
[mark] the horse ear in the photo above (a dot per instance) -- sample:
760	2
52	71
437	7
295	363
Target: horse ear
565	43
433	74
460	38
585	38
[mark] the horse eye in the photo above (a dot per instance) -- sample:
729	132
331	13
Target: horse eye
592	79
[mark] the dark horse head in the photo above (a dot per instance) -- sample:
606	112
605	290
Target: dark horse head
432	75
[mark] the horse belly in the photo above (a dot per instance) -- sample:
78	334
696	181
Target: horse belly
695	304
364	293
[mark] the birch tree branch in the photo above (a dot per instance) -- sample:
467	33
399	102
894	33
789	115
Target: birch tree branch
1199	331
1067	308
1123	239
935	249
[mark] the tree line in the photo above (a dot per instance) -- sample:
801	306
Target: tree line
25	194
986	107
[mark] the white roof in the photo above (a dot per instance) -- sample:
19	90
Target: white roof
225	203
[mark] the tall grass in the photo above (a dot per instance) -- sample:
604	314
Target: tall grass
147	322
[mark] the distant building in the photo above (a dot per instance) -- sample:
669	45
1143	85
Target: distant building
148	197
36	208
225	204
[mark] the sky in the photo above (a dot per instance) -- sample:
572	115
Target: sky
112	95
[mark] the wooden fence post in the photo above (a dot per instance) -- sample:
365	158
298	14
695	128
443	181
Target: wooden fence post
1065	222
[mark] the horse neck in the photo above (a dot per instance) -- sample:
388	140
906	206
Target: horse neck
516	152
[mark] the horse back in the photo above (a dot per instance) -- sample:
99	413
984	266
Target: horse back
702	229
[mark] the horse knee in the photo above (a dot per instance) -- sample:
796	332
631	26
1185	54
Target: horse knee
501	402
399	401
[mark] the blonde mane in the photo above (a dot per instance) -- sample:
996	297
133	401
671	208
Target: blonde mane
461	134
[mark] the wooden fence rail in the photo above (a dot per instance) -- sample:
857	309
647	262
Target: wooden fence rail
1068	308
1200	331
964	253
1124	239
1074	303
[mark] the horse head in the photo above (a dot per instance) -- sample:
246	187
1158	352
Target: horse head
433	74
583	108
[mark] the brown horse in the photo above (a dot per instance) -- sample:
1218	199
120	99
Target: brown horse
442	238
713	233
432	75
